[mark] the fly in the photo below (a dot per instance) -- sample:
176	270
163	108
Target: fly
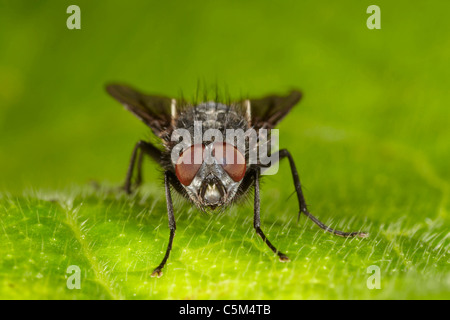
211	173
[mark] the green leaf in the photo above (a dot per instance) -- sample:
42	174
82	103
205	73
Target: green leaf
117	240
370	140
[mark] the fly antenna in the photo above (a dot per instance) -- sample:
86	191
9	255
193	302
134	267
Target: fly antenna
173	110
248	111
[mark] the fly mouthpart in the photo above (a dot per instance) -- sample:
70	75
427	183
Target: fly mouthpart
212	192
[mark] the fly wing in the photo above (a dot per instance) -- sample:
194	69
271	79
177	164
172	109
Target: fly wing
154	111
267	112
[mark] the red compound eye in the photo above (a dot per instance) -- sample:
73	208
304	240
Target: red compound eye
189	163
232	161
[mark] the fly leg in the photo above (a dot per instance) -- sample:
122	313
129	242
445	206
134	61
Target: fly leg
157	272
139	149
257	222
302	203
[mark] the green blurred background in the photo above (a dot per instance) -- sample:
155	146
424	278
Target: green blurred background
371	137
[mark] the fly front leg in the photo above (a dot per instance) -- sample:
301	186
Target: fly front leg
257	222
157	272
141	148
284	153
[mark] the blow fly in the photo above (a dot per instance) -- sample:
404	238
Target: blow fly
211	152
